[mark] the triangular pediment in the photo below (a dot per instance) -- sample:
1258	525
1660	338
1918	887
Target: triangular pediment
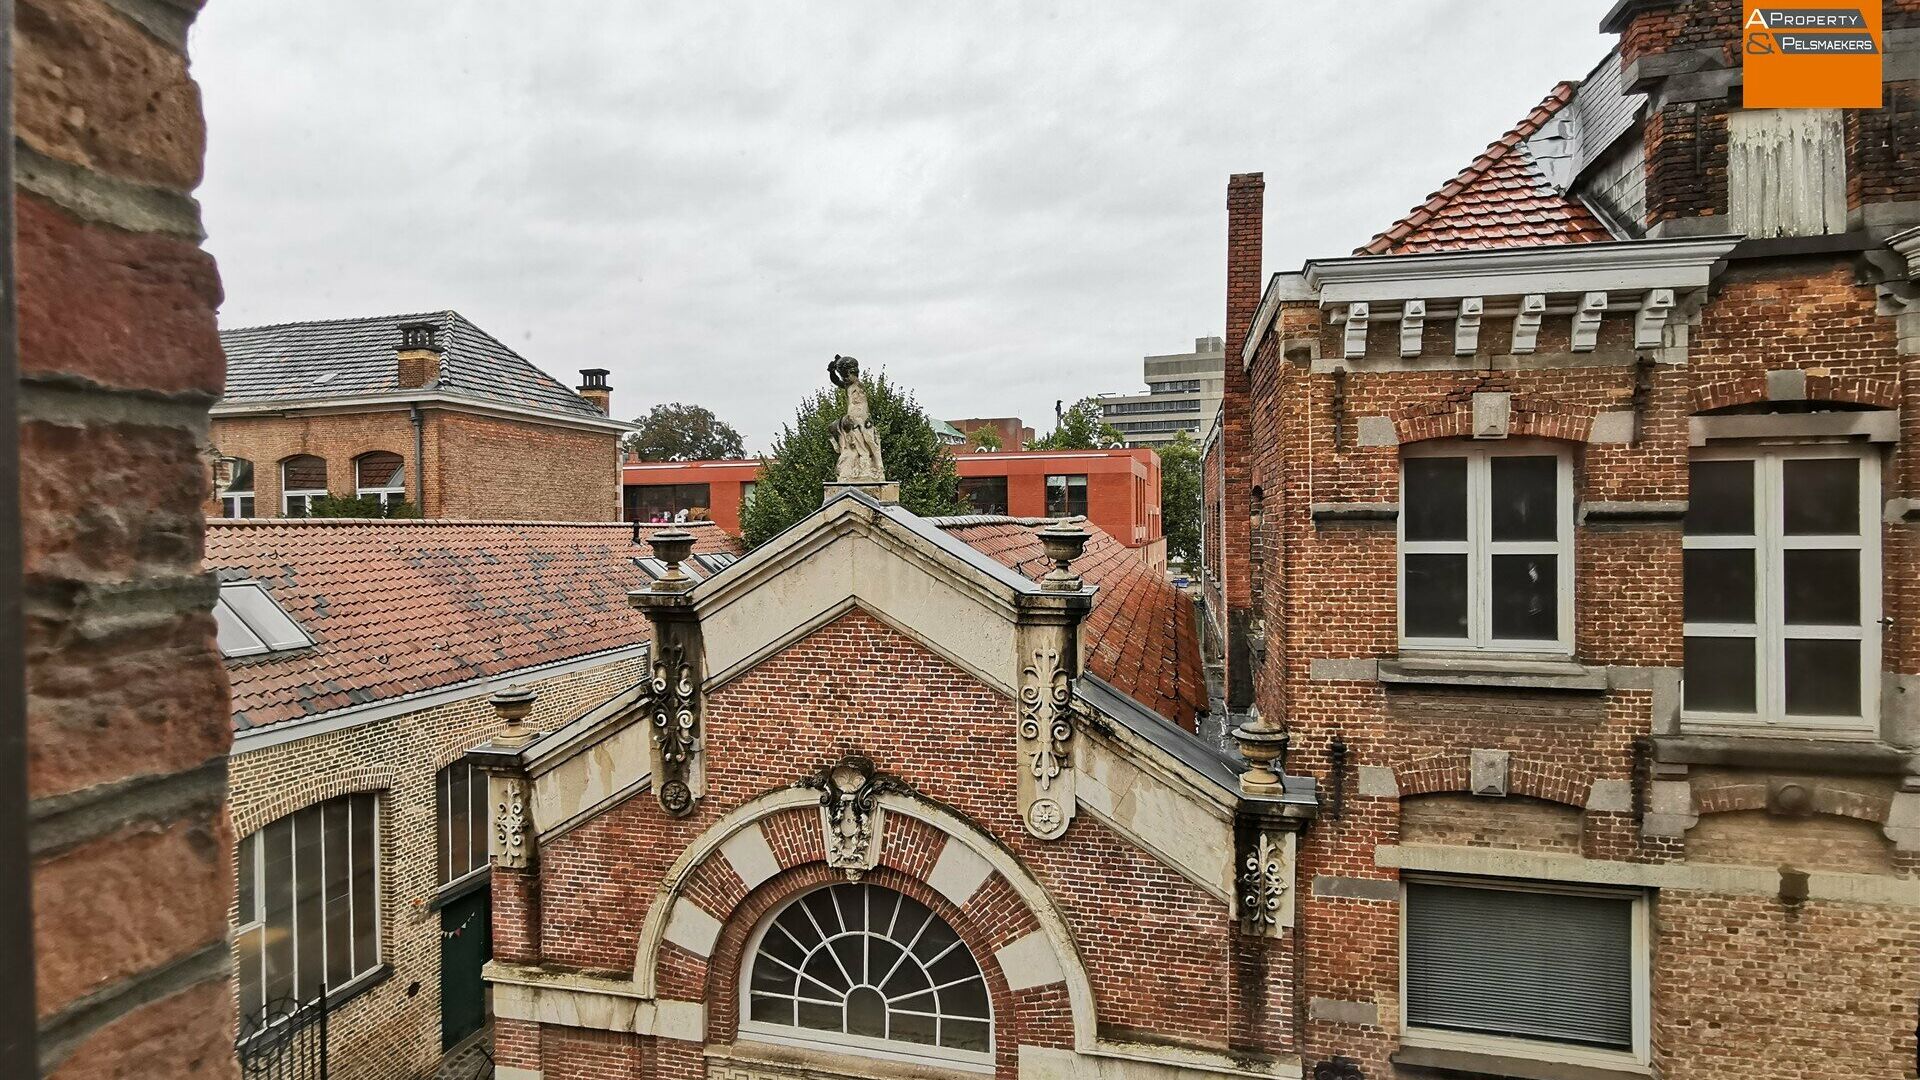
905	571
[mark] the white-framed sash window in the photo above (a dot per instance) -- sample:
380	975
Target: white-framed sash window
303	478
1782	550
1486	547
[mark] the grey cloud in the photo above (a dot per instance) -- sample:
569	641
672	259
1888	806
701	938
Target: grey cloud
1000	203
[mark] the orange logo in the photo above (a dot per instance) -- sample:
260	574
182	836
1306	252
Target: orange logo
1816	54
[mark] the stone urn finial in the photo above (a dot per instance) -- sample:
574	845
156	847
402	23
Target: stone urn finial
1262	744
672	546
1064	541
513	705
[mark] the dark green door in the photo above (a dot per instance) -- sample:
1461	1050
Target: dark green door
466	941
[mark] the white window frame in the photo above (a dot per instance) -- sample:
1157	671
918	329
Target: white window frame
1066	492
1540	1049
1480	548
841	1044
230	506
305	495
1769	544
390	496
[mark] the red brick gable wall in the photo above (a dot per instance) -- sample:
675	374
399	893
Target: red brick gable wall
1154	944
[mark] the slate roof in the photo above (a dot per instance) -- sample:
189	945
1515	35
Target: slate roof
404	607
1502	200
339	358
1141	636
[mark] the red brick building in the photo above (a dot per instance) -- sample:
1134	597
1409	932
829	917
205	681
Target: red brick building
364	657
1568	530
1118	490
901	797
1013	433
426	408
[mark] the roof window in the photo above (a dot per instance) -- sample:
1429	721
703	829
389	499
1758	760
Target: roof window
250	622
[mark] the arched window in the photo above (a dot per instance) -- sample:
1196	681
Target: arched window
859	966
303	478
463	821
309	902
383	476
236	488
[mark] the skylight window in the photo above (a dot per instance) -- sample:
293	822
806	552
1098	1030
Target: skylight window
717	561
656	569
250	622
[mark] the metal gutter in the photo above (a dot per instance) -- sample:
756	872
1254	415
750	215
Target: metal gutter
352	716
428	399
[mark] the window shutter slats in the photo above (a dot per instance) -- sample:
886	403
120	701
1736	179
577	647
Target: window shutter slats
1535	965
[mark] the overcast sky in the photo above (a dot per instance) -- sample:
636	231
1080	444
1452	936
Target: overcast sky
1001	204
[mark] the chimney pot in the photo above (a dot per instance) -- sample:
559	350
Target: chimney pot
417	357
593	387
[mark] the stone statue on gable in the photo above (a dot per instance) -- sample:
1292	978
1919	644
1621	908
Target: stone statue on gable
854	433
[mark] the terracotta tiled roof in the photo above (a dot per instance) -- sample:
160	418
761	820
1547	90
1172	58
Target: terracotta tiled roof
1140	636
1501	200
401	607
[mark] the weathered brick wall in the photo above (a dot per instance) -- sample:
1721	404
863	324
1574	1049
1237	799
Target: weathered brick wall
338	439
1154	944
509	470
392	1030
127	703
1245	226
475	467
1328	594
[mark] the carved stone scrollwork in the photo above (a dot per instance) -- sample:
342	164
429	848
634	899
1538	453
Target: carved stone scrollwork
512	824
675	714
1266	883
850	815
1046	744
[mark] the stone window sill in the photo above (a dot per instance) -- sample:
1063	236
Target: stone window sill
1496	672
1520	1068
1858	756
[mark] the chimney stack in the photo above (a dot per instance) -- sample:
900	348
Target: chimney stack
417	358
1246	197
593	387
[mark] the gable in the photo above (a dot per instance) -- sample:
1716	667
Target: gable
1503	198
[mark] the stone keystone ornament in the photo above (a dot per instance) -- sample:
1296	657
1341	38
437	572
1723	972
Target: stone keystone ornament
850	817
854	434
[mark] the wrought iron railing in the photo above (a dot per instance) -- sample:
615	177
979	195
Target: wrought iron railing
285	1040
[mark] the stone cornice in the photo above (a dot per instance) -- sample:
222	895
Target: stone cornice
1626	265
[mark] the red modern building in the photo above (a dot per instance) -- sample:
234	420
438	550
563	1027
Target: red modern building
704	490
1118	490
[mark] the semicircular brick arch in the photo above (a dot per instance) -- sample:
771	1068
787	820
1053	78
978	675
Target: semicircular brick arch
773	848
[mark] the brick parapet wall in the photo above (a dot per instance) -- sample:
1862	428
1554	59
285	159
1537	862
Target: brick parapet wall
127	704
392	1031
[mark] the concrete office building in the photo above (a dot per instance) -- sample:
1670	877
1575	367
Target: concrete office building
1183	394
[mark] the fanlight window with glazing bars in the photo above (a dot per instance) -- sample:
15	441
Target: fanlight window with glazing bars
862	965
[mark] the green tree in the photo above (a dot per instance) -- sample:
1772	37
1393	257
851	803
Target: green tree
1180	497
1080	428
791	482
676	432
359	506
982	439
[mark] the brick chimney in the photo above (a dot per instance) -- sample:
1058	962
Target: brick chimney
1246	196
417	358
593	387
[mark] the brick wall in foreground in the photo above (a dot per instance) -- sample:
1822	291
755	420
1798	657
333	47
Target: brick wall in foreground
127	702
